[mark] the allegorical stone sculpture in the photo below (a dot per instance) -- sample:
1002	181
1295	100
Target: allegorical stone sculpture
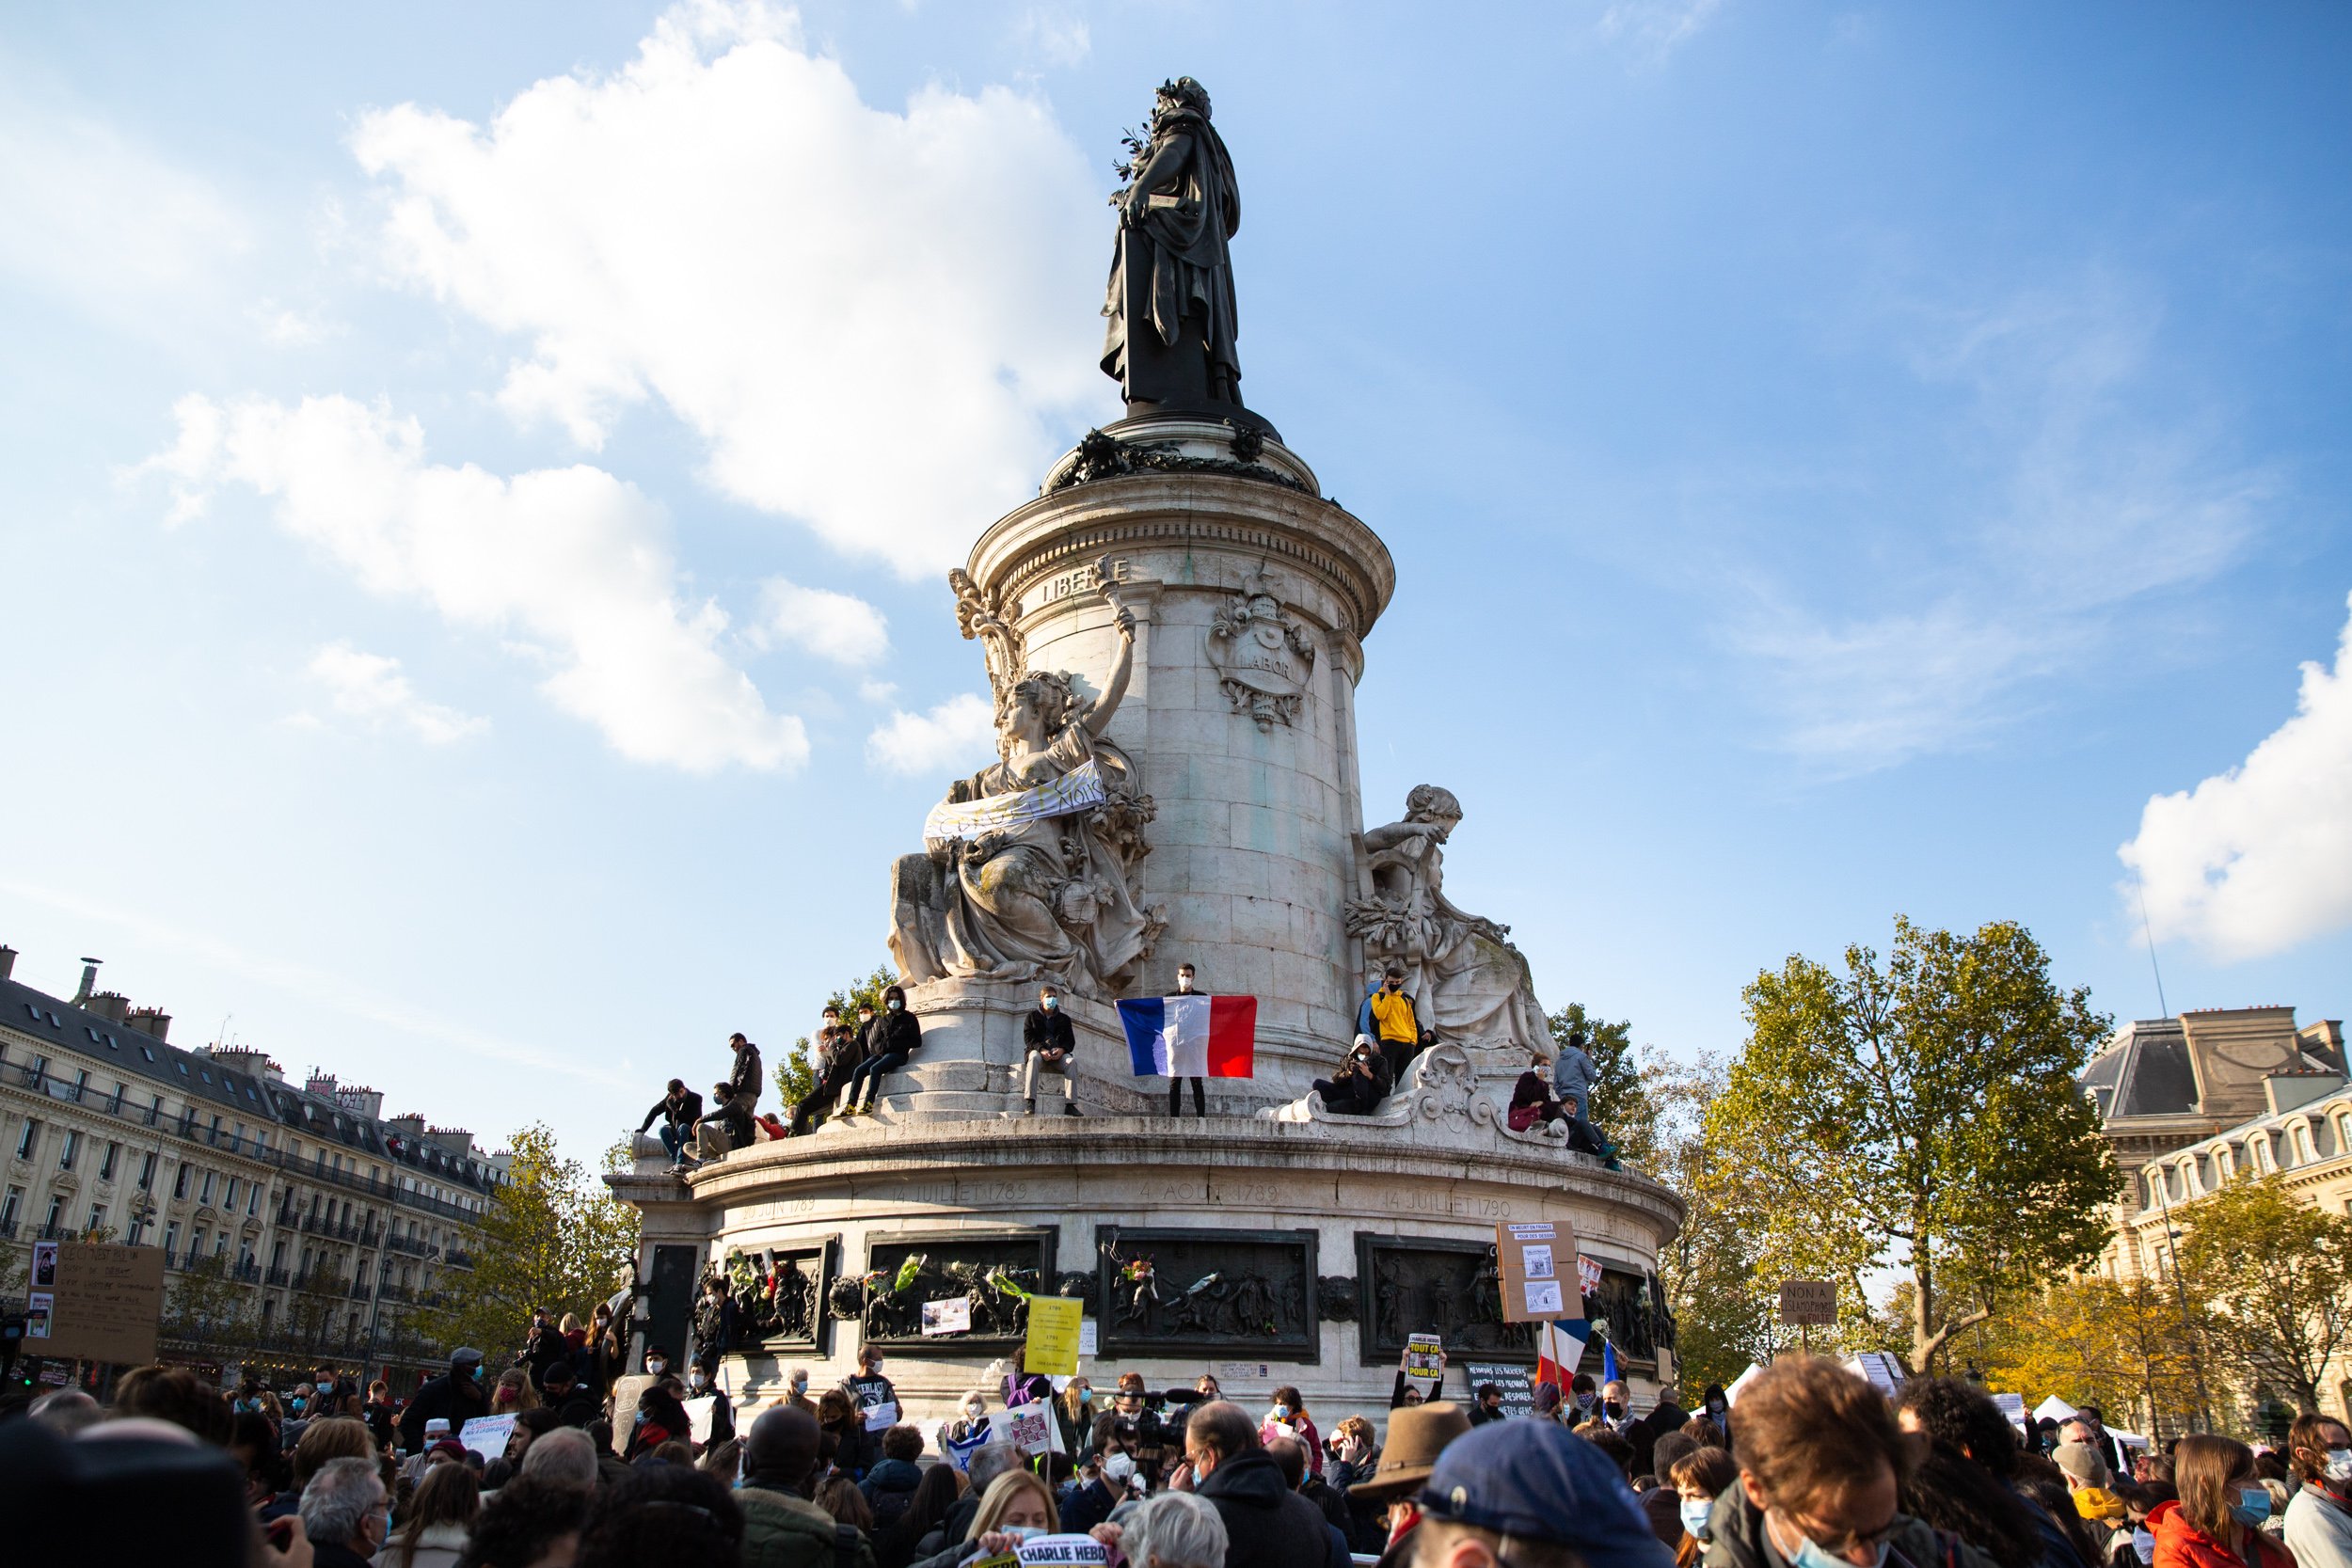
1471	984
1262	658
1030	867
1170	343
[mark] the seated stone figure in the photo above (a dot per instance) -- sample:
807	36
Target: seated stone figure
1030	867
1470	985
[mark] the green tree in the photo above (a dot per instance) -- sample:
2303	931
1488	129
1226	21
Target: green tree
1623	1107
2276	1275
207	1304
796	1075
2120	1345
1721	1319
1924	1116
552	1236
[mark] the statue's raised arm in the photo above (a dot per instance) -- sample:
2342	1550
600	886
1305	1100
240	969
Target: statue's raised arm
1115	683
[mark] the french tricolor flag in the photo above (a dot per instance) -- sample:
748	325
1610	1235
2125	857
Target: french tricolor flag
1191	1036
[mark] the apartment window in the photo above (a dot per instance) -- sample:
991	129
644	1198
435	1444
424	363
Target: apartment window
180	1184
2303	1143
27	1138
57	1212
81	1084
253	1200
269	1310
196	1242
155	1111
220	1245
171	1240
147	1171
97	1217
305	1260
205	1193
107	1166
215	1139
230	1201
72	1146
9	1205
277	1254
138	1230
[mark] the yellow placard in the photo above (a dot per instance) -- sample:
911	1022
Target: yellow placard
1052	1347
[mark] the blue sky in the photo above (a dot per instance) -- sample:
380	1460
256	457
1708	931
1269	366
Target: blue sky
475	487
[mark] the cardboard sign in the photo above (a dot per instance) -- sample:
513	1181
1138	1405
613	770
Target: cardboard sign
1528	1256
1031	1428
883	1416
948	1316
1053	1343
1052	1551
1424	1364
1809	1303
107	1303
486	1435
625	1392
1514	1382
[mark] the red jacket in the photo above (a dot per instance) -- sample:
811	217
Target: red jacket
2182	1544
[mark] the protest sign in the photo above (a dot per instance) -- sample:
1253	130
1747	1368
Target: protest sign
1528	1255
1089	1339
107	1303
1587	1275
2012	1406
486	1435
948	1316
1031	1428
699	1415
1053	1342
882	1416
1424	1364
45	1265
1808	1302
1055	1551
38	1310
1886	1375
1514	1382
625	1392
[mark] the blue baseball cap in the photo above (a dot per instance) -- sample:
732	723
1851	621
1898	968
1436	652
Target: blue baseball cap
1536	1480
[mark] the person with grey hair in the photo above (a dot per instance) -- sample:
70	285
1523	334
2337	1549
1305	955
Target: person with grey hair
342	1514
1172	1529
566	1456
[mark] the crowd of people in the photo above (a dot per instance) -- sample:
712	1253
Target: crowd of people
848	1063
1814	1469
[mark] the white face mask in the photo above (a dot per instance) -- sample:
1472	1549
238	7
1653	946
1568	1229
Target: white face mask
2340	1464
1118	1469
1184	982
656	1368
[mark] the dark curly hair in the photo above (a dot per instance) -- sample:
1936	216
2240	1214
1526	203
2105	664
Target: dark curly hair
521	1523
1964	1417
668	1514
1954	1492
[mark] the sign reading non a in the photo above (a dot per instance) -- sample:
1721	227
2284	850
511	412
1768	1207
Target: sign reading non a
1535	1264
1808	1302
107	1303
1515	1381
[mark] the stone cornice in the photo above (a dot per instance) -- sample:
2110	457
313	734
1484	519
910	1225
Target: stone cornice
1073	528
1280	1150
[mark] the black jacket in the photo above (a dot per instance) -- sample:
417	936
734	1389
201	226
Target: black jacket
1044	1031
737	1120
745	1076
443	1398
892	1032
677	1113
579	1408
1089	1506
1268	1525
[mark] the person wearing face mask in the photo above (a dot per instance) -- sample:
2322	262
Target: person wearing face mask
2319	1516
702	1385
1074	1408
1822	1468
1699	1478
345	1513
1047	1043
891	1042
1104	1487
796	1394
1176	1085
457	1396
1288	1416
2216	1522
1016	1506
838	1053
1613	1409
874	1407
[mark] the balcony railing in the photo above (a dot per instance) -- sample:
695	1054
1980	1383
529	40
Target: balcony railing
276	1277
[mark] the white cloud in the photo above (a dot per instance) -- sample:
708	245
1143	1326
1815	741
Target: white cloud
875	321
837	627
369	687
2259	858
1656	27
96	217
1055	37
571	565
2089	491
959	733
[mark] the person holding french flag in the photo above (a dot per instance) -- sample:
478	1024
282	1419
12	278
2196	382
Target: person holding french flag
1191	1036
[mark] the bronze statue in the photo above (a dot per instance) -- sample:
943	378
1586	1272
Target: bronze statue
1172	324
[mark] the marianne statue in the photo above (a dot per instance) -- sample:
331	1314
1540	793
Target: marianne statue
1172	324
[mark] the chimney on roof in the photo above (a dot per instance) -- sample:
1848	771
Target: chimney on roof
111	1006
89	979
150	1020
322	1083
411	1124
454	1139
240	1059
7	960
361	1102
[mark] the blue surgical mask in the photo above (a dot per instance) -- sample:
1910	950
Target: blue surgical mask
1050	1003
2144	1546
2254	1506
894	1004
1694	1512
1811	1556
1281	1411
1023	1532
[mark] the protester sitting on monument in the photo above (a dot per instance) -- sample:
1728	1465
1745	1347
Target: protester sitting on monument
1361	1084
726	1129
1533	1101
838	1053
677	1111
1391	1015
1047	1044
891	1042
